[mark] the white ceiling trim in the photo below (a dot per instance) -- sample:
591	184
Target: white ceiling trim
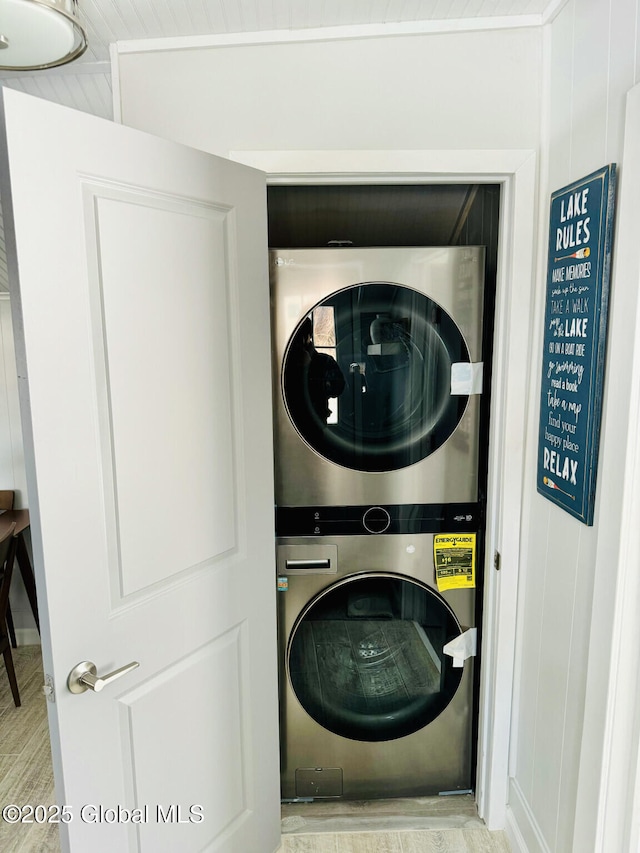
71	69
359	31
552	10
432	166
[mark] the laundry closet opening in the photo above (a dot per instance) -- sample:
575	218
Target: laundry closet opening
372	703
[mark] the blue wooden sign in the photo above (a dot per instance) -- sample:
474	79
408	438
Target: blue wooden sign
575	332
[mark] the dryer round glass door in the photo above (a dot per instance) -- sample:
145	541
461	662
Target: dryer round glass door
365	657
366	377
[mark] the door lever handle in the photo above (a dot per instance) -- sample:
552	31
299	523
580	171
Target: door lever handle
84	676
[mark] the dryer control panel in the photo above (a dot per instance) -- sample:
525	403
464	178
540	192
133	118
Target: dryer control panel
377	520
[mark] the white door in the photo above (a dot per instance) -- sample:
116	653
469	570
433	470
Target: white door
142	325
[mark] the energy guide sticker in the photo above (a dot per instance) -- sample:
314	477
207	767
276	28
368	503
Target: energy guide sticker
454	557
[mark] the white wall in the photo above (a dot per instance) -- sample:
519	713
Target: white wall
12	470
441	91
566	606
12	474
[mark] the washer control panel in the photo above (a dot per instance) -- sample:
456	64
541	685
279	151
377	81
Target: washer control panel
376	520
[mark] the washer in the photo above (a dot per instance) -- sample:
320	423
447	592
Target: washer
377	376
371	706
377	365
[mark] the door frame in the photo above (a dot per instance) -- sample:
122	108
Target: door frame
516	173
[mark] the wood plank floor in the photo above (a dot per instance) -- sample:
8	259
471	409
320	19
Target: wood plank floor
409	841
416	825
26	777
432	825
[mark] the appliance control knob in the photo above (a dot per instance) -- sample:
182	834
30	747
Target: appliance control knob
376	519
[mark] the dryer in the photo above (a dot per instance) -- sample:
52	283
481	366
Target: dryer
377	376
371	706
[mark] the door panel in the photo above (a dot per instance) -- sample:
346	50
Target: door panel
142	329
149	714
136	240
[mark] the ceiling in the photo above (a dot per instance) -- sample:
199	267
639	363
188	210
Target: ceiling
86	83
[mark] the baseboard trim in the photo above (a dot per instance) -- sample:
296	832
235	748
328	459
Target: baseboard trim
512	831
27	637
521	827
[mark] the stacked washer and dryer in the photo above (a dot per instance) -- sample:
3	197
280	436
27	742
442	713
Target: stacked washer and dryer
376	428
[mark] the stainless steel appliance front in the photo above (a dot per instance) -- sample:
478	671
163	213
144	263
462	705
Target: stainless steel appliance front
367	345
370	704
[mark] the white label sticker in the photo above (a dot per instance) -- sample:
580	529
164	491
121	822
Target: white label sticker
466	378
462	647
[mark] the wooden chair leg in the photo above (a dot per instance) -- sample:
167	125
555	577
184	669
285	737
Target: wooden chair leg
11	627
13	681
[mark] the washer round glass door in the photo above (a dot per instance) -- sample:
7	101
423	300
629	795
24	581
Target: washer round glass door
366	377
365	657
